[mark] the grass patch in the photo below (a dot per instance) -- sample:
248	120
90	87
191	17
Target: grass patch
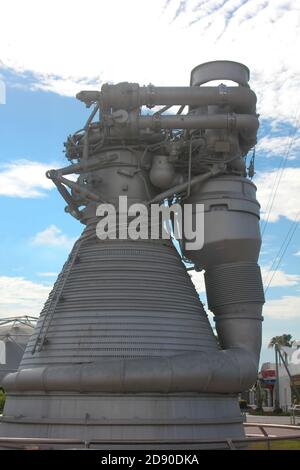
286	444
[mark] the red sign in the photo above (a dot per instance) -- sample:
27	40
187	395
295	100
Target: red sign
269	373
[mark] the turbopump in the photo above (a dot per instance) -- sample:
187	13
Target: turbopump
123	351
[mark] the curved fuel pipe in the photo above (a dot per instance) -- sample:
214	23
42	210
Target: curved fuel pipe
183	186
230	370
225	371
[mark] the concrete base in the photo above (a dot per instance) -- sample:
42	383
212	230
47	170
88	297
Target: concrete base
136	421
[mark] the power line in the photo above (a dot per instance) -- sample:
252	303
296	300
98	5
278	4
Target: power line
279	175
284	246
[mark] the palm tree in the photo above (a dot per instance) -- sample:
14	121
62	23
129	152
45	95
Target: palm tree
283	340
276	342
259	397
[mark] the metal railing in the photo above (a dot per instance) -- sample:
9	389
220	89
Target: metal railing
232	444
295	413
266	438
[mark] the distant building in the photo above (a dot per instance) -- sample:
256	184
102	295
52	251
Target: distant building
14	335
267	378
287	386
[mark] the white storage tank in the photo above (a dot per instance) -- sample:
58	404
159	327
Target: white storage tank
14	335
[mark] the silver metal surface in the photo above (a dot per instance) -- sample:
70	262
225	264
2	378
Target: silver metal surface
220	70
123	349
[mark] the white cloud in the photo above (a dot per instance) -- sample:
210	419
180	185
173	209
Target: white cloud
280	146
284	308
198	280
286	202
19	296
280	279
48	274
156	42
298	253
53	236
25	179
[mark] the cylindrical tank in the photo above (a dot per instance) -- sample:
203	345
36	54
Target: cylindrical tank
14	335
231	221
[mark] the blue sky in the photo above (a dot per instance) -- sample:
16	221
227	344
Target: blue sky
42	72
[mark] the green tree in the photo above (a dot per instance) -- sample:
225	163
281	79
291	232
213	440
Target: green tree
259	395
2	400
283	340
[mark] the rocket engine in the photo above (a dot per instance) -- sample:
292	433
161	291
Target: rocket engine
123	351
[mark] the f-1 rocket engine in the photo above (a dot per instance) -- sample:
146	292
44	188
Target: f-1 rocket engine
123	351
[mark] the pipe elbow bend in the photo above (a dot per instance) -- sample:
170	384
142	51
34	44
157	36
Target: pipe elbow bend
224	371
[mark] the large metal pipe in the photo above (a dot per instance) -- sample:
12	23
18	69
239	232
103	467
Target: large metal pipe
207	121
225	371
240	98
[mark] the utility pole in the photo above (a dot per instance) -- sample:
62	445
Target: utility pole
288	373
277	398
